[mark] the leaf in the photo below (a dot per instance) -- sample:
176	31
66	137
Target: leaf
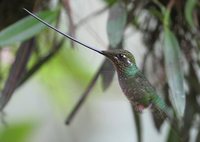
107	73
116	23
189	7
16	133
174	71
17	70
173	67
25	28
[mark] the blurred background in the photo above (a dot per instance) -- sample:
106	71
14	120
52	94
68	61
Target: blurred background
43	75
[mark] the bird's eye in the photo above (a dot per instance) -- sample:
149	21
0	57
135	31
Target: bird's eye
121	56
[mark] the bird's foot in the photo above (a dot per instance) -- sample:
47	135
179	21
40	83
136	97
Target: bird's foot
139	108
150	106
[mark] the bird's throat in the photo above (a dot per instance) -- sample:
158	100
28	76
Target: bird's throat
131	70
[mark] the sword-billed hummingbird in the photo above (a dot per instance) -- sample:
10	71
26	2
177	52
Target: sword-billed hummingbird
132	81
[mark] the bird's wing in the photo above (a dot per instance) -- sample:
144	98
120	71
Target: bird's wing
138	89
149	95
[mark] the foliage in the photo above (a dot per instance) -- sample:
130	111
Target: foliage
24	29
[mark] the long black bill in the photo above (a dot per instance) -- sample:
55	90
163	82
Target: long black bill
68	36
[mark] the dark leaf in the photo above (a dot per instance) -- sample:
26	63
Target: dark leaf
107	72
188	119
189	9
191	102
17	70
116	23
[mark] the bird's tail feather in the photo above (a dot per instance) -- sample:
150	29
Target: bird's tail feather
166	113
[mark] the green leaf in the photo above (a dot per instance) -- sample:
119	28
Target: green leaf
189	7
25	28
174	71
116	23
16	133
173	66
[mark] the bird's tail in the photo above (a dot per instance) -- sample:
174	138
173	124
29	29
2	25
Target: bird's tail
162	113
166	113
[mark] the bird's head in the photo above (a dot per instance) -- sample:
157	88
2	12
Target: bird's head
120	58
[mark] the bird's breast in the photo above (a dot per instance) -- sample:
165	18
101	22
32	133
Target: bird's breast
129	88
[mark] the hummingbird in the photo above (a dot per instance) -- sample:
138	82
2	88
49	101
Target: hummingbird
136	87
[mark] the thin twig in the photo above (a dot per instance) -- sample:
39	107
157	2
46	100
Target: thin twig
83	97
